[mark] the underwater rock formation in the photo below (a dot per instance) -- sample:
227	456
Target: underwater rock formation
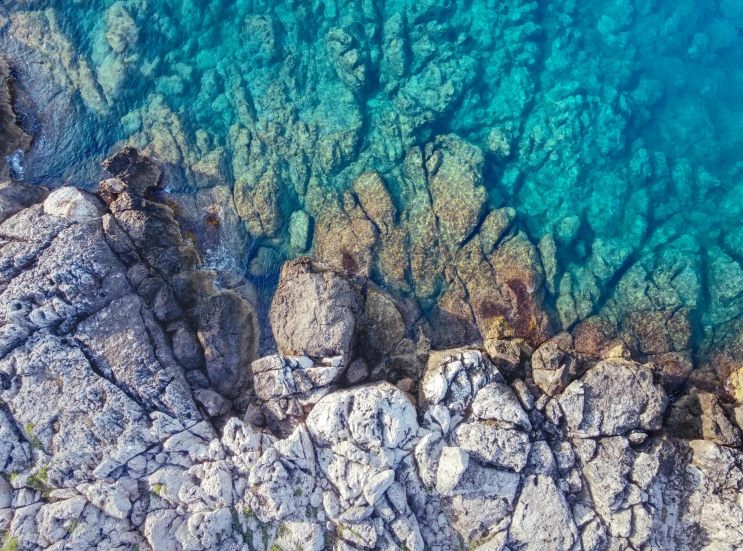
136	414
469	155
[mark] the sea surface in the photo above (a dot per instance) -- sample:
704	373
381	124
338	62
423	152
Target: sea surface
612	129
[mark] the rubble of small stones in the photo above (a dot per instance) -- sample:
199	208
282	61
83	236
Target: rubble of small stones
135	412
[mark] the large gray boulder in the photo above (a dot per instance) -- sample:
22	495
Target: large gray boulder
228	331
614	397
542	518
315	312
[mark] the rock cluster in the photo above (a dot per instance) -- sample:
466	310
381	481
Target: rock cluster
136	414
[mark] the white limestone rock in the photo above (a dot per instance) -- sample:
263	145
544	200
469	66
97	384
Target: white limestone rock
73	204
497	402
452	465
500	447
614	397
542	518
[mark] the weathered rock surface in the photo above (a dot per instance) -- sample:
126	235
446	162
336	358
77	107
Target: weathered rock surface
485	171
15	196
614	397
315	312
125	371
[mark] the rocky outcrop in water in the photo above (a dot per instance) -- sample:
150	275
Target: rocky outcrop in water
136	413
15	141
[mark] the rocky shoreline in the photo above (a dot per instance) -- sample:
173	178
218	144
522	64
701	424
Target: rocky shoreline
137	412
494	174
439	373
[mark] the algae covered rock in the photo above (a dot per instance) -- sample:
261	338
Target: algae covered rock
493	228
518	296
259	205
299	230
14	138
345	236
376	201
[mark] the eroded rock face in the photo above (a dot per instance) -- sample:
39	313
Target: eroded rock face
553	368
288	387
123	379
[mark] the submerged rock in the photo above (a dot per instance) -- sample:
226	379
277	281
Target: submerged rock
454	176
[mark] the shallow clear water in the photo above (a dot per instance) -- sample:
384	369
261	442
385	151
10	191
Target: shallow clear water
612	128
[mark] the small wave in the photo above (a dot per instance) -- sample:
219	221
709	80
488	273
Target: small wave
220	259
17	162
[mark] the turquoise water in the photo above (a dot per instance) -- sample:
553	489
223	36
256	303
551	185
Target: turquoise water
612	128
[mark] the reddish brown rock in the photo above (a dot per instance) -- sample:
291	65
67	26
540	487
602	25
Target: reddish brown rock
518	296
426	258
674	369
344	237
726	359
594	335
